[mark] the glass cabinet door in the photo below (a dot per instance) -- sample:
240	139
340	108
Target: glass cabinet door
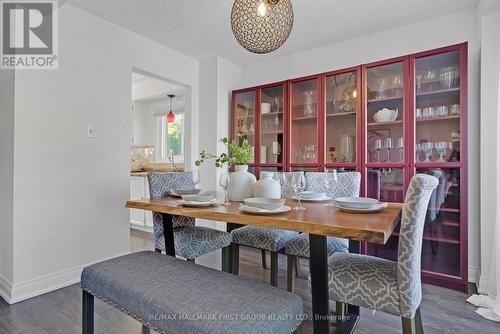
244	117
272	125
437	108
385	114
341	115
304	122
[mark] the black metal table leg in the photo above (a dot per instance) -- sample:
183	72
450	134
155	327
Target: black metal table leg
318	261
228	251
168	232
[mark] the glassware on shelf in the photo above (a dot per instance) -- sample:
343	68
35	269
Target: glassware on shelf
418	113
347	148
418	79
308	105
224	182
418	151
400	148
331	179
397	83
448	77
381	88
298	186
454	109
276	149
278	102
388	145
430	76
442	111
428	148
441	148
276	122
378	145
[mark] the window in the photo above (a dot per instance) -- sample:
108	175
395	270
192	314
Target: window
170	137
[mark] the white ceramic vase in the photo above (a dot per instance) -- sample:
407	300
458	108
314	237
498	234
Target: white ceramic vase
267	187
241	185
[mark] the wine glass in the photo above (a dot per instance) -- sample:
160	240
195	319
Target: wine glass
298	186
388	145
195	176
378	146
428	148
441	148
331	180
282	179
224	182
400	148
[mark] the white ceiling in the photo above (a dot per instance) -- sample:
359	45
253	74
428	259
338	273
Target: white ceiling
201	28
147	89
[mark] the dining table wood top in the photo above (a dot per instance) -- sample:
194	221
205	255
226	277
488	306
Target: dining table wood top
318	218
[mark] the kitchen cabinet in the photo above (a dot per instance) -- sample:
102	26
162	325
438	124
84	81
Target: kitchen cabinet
139	189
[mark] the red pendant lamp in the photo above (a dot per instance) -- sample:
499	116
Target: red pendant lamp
171	116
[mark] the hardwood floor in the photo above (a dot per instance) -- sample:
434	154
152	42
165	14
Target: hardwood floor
443	310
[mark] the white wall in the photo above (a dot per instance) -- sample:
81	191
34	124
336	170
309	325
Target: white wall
424	35
69	190
7	82
218	77
143	128
490	147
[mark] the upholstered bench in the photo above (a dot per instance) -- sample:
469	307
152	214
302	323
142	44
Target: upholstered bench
175	297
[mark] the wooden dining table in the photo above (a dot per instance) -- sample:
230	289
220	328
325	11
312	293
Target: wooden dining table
318	219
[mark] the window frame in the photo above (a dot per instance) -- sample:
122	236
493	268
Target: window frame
162	139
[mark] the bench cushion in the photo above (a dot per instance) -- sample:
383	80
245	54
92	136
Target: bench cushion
169	295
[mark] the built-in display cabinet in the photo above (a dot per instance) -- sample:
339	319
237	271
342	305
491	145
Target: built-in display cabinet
389	120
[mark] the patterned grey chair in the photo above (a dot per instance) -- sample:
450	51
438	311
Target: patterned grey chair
190	241
265	239
380	284
348	185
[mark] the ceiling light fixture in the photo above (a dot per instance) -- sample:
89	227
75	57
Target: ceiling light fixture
261	26
171	116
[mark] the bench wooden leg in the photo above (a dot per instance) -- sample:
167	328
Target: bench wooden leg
158	250
87	313
145	329
191	260
274	269
290	278
235	250
264	262
297	267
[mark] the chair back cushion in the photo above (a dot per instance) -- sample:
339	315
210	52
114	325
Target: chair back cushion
160	185
410	242
348	184
286	188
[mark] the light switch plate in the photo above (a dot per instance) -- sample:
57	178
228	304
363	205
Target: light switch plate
91	133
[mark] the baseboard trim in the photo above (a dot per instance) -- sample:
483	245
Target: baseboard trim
473	275
5	288
483	283
47	283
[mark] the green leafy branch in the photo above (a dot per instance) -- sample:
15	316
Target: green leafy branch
239	153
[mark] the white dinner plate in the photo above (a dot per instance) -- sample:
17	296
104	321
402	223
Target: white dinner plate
258	211
375	208
356	202
199	204
312	195
321	199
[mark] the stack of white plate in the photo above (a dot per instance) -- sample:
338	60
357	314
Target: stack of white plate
311	196
204	199
184	191
359	204
264	206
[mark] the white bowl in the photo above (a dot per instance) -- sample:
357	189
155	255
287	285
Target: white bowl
264	203
206	197
312	195
385	115
356	202
265	108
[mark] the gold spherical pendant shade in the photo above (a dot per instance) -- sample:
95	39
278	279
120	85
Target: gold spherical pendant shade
261	26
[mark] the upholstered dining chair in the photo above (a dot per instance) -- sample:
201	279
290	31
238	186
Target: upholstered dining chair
348	185
393	287
266	239
190	241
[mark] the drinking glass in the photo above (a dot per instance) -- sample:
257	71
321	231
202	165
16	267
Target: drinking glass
428	148
282	179
331	180
441	148
224	182
430	76
195	176
378	146
400	147
388	145
298	186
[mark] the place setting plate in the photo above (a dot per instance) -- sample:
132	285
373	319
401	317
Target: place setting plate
359	204
199	200
311	196
182	191
264	206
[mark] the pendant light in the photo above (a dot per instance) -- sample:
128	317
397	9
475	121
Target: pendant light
261	26
171	116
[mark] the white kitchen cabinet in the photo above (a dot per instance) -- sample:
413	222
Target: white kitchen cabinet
139	189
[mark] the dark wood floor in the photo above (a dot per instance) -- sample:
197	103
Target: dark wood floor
443	311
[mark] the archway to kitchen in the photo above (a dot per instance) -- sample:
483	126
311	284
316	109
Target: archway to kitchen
156	143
